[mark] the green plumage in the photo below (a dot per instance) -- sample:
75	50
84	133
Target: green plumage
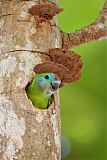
38	98
40	90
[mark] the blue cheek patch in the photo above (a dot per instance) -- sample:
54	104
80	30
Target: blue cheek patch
39	81
42	79
39	84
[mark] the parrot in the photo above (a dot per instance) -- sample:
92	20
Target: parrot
42	87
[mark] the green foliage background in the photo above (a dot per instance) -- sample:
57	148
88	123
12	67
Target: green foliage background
83	103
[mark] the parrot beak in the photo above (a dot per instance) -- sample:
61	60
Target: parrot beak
56	84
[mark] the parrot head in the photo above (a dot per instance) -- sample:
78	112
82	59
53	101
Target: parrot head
47	82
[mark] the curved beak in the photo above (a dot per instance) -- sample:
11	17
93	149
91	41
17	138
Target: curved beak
56	84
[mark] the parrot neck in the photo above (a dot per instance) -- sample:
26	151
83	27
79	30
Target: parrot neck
37	96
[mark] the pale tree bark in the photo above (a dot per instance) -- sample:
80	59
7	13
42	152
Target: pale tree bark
28	133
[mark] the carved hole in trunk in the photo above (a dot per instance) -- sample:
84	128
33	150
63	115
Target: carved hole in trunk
51	101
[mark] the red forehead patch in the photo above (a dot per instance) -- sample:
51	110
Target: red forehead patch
56	76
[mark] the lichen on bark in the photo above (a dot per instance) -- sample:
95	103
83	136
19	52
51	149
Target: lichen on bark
25	132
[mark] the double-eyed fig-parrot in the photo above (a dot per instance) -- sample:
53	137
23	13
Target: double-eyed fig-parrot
42	87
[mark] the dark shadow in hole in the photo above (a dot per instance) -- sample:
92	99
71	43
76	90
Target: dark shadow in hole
51	101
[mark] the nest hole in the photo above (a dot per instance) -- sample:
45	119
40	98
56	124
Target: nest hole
51	100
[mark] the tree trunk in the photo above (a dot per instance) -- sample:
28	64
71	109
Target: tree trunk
26	133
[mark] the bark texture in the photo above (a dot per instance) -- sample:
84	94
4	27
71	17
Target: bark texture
26	133
95	31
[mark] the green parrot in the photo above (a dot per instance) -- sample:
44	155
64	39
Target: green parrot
42	87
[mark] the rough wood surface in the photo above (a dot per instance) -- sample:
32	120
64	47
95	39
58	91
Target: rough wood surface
66	64
95	31
45	11
26	133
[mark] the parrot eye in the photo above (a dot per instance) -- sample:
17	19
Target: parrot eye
47	77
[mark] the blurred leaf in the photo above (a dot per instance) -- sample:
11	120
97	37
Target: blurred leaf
83	103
